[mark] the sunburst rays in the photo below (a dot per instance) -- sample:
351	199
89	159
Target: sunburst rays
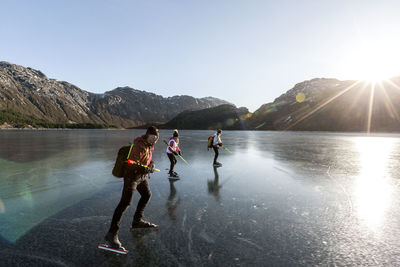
322	105
370	106
373	86
392	109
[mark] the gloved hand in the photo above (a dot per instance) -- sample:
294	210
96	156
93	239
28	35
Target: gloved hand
138	169
151	167
175	153
220	144
180	153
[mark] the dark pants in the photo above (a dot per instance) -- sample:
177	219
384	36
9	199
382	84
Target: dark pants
173	161
130	185
216	153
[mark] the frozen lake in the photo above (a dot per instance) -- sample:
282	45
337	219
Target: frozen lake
281	198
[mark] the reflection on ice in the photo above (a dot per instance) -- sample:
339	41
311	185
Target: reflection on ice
173	202
213	185
2	208
373	190
32	191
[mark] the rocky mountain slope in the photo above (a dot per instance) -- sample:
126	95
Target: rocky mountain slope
333	105
30	92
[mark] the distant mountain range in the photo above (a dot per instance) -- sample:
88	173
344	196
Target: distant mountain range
30	92
315	105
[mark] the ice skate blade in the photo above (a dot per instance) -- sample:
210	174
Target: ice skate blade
119	251
144	228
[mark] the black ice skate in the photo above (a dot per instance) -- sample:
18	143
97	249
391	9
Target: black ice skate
173	176
217	164
143	224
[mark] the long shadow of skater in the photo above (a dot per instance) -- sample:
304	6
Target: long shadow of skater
213	185
172	202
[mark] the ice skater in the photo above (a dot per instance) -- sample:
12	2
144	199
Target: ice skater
172	151
216	143
138	166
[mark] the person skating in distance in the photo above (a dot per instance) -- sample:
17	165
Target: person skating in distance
215	145
172	151
138	167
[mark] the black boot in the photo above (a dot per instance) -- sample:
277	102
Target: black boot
143	224
173	175
112	240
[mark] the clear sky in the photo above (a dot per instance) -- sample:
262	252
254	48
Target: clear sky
245	51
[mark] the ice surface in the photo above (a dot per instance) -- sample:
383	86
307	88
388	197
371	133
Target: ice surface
281	198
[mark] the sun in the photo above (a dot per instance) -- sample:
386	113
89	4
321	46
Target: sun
376	66
374	72
374	77
373	61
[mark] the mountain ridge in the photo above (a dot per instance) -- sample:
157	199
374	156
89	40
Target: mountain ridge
31	92
319	104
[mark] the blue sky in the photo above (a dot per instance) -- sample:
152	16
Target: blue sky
247	52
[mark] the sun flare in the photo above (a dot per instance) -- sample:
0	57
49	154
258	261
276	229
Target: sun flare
375	70
374	76
375	61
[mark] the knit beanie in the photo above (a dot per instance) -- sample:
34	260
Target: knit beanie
152	130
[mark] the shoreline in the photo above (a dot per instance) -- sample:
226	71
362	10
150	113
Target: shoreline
372	134
60	129
6	126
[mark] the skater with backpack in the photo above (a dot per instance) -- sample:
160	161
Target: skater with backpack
172	151
215	142
136	169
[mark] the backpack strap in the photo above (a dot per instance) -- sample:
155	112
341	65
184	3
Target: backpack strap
130	150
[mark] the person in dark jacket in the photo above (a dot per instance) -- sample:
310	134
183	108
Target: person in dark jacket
137	168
